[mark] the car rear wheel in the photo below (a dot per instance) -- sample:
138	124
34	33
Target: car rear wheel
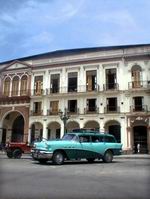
90	160
9	153
58	158
108	156
17	153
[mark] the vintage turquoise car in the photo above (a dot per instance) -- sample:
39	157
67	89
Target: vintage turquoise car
80	144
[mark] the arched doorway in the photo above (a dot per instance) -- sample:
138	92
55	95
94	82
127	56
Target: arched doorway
36	131
53	130
18	129
113	128
92	125
72	125
13	127
140	139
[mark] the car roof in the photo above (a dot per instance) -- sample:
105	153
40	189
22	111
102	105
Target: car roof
90	133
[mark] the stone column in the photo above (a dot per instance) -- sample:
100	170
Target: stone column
123	133
101	125
45	130
61	129
29	135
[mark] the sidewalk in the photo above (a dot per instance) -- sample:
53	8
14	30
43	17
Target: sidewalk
130	156
133	156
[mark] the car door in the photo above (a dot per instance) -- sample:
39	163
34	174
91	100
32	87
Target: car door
85	148
98	145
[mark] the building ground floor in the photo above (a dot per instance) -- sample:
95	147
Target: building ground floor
133	131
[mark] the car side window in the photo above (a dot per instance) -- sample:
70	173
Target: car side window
84	138
109	139
96	139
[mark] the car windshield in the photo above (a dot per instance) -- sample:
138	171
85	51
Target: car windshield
70	137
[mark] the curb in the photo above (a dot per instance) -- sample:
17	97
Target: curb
132	157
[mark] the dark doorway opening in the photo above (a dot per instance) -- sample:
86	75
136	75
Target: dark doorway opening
18	129
32	133
140	139
115	131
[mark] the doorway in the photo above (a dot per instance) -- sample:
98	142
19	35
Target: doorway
140	139
18	129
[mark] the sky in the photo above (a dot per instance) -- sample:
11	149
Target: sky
30	27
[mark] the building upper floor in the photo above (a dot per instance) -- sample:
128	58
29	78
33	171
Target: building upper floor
91	71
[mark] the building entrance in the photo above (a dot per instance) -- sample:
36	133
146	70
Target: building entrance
140	139
18	129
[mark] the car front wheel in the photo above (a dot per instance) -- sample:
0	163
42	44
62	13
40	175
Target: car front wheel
58	158
108	156
9	153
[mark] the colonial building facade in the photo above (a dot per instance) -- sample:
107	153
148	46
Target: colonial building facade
106	88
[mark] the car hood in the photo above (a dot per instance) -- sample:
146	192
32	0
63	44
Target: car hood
44	144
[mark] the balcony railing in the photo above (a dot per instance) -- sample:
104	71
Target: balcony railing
91	110
36	113
139	84
112	109
111	86
73	111
78	89
139	108
13	98
52	112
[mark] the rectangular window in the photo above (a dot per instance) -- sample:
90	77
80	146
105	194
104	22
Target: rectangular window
72	106
55	81
112	104
37	108
91	105
91	82
72	82
111	78
138	103
54	107
38	85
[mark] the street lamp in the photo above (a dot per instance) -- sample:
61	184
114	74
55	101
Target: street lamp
64	117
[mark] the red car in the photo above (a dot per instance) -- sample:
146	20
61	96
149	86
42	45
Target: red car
16	149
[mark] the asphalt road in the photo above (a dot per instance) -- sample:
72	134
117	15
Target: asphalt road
27	179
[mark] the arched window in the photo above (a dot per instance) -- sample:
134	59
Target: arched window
23	89
6	86
136	73
15	86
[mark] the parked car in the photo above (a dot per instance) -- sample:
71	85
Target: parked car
15	149
79	144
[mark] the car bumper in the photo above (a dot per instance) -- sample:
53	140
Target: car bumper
41	154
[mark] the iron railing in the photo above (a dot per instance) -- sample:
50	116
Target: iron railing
139	108
111	86
139	85
111	109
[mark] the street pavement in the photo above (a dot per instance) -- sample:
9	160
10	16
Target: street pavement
124	178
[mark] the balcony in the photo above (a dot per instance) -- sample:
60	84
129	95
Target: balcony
112	109
52	112
36	112
39	92
91	110
139	108
111	87
66	90
139	85
73	111
16	97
